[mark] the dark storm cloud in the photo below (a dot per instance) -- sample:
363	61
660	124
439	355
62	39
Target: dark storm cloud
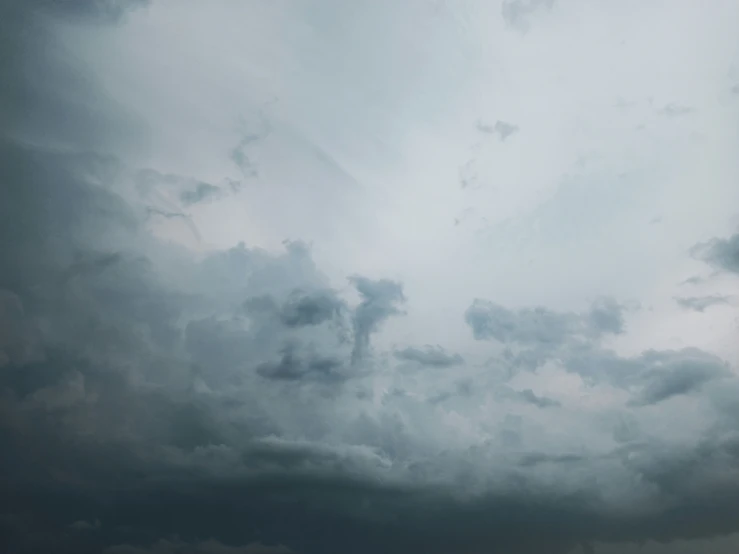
211	546
701	303
434	356
380	299
720	253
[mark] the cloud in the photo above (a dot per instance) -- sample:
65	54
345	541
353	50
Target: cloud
97	10
720	253
673	110
379	302
294	365
607	316
517	13
19	341
309	309
572	340
540	325
210	546
501	128
202	191
701	303
168	191
528	395
82	525
237	390
434	356
245	153
676	373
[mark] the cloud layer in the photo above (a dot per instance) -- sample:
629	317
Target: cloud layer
241	319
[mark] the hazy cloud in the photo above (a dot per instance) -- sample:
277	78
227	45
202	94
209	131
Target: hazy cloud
517	13
539	401
501	128
310	309
380	299
540	325
701	303
434	356
720	253
295	365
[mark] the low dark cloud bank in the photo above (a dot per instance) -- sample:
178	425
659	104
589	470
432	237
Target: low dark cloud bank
151	402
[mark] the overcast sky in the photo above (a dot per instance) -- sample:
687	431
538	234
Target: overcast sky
330	276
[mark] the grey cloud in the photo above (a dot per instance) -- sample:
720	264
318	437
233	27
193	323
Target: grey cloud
674	110
434	356
129	393
211	546
157	187
701	303
720	253
517	13
20	344
295	364
314	308
167	214
379	302
607	316
203	191
489	320
694	280
678	373
525	396
501	128
82	525
100	10
244	154
596	365
573	341
653	376
538	458
539	401
540	325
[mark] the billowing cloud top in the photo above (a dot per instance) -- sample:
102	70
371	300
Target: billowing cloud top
326	277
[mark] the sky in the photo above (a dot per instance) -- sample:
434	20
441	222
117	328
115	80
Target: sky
318	276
